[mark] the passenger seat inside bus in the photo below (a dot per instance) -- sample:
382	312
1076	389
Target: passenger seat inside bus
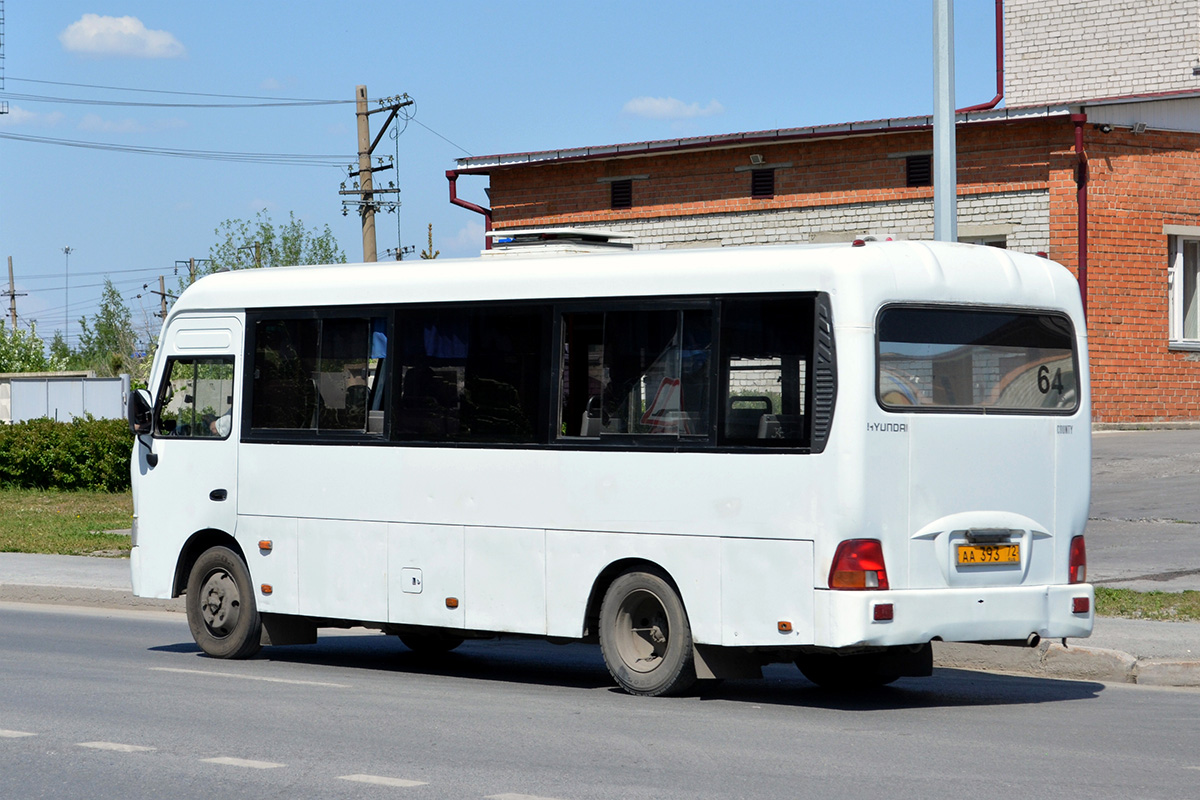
744	415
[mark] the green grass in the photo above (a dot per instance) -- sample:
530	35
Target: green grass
64	523
1173	606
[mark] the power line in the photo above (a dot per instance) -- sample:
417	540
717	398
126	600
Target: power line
186	94
36	98
318	160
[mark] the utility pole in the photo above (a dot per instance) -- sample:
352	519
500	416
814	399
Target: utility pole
67	294
945	159
163	294
12	295
366	146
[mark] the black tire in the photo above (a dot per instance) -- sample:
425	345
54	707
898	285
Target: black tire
221	610
430	644
845	673
645	636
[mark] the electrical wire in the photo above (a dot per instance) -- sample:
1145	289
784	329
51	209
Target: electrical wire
338	161
308	100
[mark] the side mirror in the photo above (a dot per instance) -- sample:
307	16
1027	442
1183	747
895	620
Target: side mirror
140	412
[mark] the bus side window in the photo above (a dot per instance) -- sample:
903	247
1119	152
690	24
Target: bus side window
636	372
319	375
196	399
469	375
766	346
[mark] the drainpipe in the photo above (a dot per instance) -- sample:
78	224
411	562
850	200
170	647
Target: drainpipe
452	176
1081	183
995	101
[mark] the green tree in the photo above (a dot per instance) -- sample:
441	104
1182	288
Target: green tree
107	343
60	352
21	350
430	252
260	242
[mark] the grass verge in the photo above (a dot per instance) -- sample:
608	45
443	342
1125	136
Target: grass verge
64	523
1173	606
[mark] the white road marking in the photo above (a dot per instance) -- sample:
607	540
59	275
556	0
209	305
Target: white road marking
248	677
380	780
14	734
510	796
242	762
116	747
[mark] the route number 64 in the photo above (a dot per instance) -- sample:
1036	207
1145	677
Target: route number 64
1045	383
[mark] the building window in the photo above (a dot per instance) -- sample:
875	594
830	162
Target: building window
762	183
622	194
918	170
1182	280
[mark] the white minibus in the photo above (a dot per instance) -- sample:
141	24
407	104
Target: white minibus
704	460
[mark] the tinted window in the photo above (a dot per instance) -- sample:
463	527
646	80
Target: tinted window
957	358
319	375
469	375
636	372
766	348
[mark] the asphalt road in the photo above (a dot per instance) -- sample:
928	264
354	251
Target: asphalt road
122	705
1144	523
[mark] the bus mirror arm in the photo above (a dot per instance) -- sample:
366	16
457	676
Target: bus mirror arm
151	456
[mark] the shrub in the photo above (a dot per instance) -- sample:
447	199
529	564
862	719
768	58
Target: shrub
86	453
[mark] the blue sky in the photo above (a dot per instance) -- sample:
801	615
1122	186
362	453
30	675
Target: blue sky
486	78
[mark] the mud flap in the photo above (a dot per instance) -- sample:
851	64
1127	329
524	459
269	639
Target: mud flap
280	629
712	661
910	661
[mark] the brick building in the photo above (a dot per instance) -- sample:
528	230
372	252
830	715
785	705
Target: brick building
1102	111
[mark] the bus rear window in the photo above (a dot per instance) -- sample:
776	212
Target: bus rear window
970	359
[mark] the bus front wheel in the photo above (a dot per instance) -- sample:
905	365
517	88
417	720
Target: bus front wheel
221	610
645	636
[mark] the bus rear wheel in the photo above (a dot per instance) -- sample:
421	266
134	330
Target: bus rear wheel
645	636
221	610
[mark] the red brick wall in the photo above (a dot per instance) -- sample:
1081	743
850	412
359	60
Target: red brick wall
1137	184
1008	157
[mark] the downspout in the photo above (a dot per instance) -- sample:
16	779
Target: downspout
1081	183
452	176
995	101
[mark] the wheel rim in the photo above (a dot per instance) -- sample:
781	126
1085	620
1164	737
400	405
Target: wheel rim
643	632
220	603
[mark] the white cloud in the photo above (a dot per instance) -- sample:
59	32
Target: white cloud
270	85
467	242
670	108
95	35
20	116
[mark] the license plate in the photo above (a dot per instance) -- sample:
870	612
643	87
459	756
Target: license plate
972	555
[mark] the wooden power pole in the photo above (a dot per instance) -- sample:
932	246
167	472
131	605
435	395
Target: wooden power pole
366	188
13	294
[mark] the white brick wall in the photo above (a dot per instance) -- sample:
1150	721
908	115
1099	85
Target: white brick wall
1063	51
1022	217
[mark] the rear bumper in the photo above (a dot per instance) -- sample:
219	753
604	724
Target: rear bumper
846	618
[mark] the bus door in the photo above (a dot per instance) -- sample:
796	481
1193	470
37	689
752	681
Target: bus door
188	482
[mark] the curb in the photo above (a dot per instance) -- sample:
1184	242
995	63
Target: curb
82	596
1073	662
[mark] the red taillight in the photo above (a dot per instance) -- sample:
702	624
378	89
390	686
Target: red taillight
1077	562
858	564
1080	605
